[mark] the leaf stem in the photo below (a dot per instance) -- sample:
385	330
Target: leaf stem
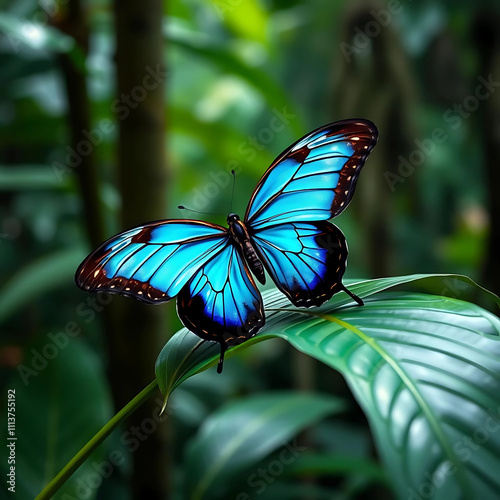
103	433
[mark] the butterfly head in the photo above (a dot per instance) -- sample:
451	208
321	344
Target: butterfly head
232	218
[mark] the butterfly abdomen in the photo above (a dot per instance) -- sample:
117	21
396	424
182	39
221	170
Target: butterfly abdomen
254	262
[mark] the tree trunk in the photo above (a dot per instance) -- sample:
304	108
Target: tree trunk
375	84
136	340
75	24
487	41
134	331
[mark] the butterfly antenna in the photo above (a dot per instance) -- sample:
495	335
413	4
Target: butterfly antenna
182	207
232	192
353	296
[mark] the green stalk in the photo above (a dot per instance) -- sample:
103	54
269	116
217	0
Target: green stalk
105	431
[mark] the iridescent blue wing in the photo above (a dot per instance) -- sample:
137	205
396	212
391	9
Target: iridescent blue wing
151	262
314	179
306	260
221	301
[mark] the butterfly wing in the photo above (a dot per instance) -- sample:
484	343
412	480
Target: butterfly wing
221	301
152	262
314	179
306	260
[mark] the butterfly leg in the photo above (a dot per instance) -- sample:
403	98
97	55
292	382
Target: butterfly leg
352	295
223	348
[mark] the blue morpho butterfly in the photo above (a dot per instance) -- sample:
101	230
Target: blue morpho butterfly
284	231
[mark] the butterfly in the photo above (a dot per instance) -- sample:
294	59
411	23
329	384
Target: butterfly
212	269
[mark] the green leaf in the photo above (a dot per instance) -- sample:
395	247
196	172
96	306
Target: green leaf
61	401
424	368
39	277
242	433
326	464
354	475
291	490
449	285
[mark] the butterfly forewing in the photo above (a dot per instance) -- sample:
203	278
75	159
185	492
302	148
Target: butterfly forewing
151	262
315	178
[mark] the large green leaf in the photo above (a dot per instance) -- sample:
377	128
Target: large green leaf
61	400
242	433
424	368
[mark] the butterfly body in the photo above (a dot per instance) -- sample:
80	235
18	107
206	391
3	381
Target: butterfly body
285	232
240	235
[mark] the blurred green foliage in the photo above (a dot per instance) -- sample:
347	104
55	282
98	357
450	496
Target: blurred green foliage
245	80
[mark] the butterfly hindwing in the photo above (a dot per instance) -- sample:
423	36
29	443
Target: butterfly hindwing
314	179
151	262
221	301
306	260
